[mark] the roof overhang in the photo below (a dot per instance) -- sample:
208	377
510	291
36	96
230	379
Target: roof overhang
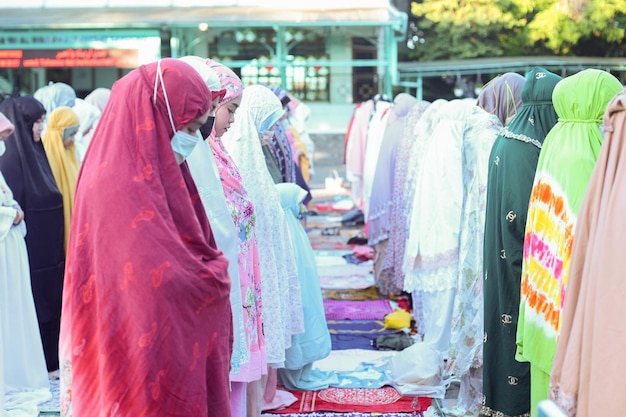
240	13
411	70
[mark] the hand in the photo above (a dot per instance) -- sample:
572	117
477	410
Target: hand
18	217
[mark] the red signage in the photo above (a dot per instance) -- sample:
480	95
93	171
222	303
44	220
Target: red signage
119	58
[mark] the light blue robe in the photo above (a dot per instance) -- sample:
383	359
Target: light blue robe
314	344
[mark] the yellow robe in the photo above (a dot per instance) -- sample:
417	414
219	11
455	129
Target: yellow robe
62	160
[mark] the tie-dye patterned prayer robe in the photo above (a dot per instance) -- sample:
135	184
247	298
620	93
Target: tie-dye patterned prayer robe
565	165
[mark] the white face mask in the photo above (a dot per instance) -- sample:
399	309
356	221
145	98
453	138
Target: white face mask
266	136
182	143
3	147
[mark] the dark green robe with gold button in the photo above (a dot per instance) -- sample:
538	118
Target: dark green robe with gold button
512	165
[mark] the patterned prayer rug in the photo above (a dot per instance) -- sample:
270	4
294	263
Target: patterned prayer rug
357	310
345	276
369	400
355	334
356	294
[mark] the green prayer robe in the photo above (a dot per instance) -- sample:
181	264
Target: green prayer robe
512	164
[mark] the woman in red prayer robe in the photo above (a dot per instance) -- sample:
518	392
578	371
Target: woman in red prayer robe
146	323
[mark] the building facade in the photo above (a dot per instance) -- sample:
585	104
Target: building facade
326	51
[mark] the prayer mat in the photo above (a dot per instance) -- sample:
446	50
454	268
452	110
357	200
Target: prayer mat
333	241
357	294
355	334
326	258
370	400
357	310
342	268
353	281
315	223
335	207
52	407
332	257
329	245
344	275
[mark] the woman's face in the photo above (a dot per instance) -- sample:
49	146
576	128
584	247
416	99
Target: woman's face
38	128
225	116
69	141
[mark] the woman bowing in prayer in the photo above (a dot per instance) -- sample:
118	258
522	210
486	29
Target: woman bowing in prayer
23	376
584	376
27	172
512	165
58	141
97	99
466	340
88	114
245	379
314	344
233	238
566	161
259	111
147	325
380	204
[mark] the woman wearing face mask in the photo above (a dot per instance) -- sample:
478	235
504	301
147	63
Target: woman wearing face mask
147	325
27	172
282	316
23	377
58	141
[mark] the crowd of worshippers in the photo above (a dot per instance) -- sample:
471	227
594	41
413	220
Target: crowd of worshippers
153	260
502	216
153	257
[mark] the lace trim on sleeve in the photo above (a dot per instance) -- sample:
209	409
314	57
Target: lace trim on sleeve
518	136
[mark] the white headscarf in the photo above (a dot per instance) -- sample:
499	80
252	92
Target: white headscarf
87	114
55	95
207	179
99	97
209	76
260	109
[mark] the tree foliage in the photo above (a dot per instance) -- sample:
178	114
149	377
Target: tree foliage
566	26
456	29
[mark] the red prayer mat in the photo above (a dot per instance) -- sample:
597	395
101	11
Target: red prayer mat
341	400
331	207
